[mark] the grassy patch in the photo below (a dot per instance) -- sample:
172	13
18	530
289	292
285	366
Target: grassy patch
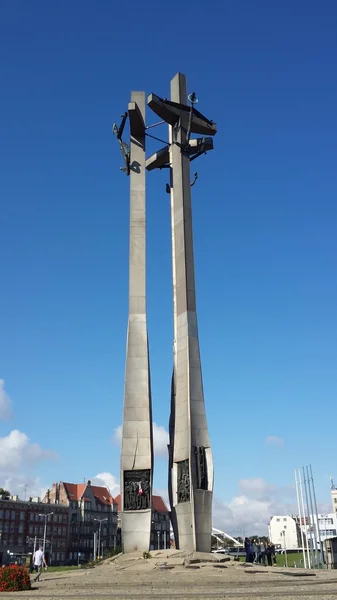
293	559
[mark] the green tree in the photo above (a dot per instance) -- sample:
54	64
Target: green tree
5	493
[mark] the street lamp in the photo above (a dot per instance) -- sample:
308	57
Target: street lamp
285	547
45	527
158	536
99	533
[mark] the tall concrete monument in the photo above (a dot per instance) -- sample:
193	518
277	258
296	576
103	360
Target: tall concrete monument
137	443
190	455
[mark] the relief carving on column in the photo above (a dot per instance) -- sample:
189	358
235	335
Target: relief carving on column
137	487
183	486
201	463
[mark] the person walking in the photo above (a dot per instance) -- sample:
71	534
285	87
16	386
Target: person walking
262	553
249	550
39	561
269	555
255	551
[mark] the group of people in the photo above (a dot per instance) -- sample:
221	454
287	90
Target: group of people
259	552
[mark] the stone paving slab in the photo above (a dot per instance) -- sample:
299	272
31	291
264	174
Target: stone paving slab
164	576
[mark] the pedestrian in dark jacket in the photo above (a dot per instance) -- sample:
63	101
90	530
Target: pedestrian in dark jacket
248	550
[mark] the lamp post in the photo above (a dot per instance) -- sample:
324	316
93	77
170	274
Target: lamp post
285	547
45	527
99	532
158	537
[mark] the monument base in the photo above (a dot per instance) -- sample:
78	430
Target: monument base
136	531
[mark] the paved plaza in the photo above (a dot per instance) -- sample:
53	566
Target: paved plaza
172	575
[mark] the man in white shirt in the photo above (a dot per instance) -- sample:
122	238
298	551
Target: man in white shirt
39	561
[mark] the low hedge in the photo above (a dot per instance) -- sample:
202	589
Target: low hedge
14	578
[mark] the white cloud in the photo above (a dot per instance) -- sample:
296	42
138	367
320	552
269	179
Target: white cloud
5	402
257	488
249	512
17	451
117	435
22	485
107	480
160	439
274	440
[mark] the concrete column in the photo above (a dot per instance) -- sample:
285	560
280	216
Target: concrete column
190	460
137	443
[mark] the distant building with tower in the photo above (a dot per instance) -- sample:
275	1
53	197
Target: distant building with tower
91	509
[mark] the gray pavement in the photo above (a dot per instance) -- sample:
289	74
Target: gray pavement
170	575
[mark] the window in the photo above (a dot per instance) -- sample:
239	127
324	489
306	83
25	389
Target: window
11	540
12	528
58	556
31	529
59	531
20	540
22	516
285	518
6	526
36	530
7	514
70	555
31	516
21	528
64	531
335	500
62	556
41	529
1	513
285	527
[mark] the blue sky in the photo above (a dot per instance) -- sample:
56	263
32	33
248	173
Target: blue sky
265	222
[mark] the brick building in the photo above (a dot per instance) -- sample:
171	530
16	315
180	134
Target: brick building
21	522
160	525
91	509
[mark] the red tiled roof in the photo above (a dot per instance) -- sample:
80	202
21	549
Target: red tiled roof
157	503
102	494
75	491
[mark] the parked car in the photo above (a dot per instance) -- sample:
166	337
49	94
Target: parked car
236	551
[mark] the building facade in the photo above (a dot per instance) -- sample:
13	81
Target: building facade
160	536
284	532
327	527
91	510
22	526
160	525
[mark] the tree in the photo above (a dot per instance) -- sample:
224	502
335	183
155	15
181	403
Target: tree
5	493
